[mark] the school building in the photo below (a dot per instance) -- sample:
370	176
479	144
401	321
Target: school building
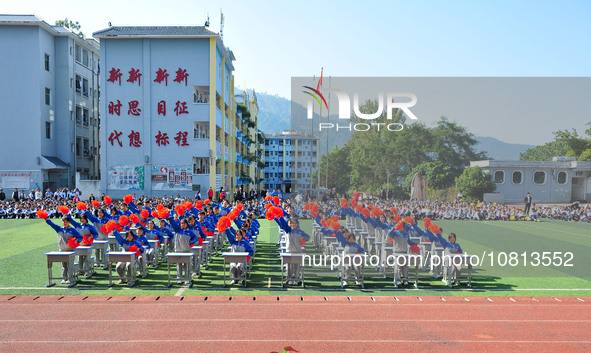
171	123
561	180
290	160
49	121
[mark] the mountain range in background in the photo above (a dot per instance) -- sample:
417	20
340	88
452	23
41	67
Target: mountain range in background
499	150
275	115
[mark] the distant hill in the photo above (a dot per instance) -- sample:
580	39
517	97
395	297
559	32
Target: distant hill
274	113
499	150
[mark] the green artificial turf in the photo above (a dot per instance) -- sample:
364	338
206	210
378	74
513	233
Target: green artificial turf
23	267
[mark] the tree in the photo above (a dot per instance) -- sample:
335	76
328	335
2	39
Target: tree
454	145
474	182
339	169
545	152
437	174
73	26
566	143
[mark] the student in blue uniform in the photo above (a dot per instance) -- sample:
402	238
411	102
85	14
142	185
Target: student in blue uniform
148	252
450	248
183	238
86	230
350	248
238	244
295	237
126	243
64	234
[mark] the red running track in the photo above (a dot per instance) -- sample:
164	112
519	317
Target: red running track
308	324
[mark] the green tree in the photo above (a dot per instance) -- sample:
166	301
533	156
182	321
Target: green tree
474	182
566	143
339	169
437	174
454	145
585	155
575	143
74	26
442	151
545	152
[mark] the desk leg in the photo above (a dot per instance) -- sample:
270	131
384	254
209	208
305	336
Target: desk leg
282	269
224	272
168	267
416	275
71	270
133	276
110	273
50	274
302	275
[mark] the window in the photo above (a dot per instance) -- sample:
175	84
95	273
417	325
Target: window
78	115
78	84
200	94
78	50
561	178
78	146
85	117
47	96
266	142
46	62
280	142
86	146
499	176
539	177
85	87
84	57
47	130
517	176
266	153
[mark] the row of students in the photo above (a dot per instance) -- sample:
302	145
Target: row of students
400	239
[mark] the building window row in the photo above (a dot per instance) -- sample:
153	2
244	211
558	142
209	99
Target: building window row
82	147
82	116
82	85
539	177
82	56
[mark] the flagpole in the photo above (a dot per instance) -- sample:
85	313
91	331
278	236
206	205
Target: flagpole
318	143
312	136
328	131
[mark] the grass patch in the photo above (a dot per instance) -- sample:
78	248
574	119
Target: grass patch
23	267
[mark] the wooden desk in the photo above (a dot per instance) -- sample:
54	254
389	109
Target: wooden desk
100	250
197	251
87	266
122	256
236	257
180	258
62	256
293	259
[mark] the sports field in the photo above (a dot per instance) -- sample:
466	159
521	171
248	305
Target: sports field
23	269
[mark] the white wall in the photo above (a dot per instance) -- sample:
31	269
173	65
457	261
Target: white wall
88	187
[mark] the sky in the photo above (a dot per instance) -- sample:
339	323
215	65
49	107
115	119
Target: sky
276	40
